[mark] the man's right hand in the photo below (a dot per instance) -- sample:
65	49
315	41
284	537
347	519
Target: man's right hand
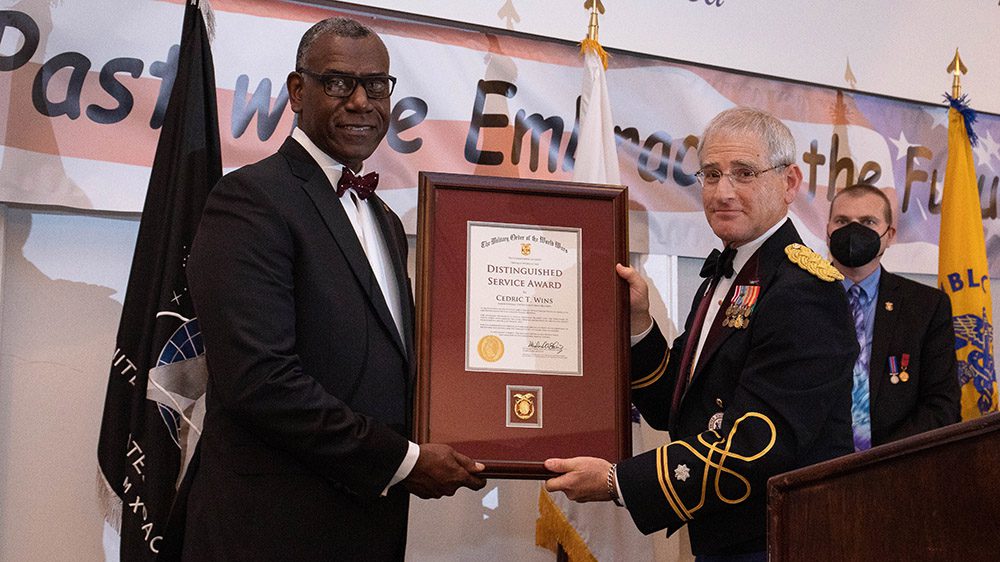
440	471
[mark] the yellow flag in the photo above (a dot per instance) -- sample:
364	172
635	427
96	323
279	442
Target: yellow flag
963	272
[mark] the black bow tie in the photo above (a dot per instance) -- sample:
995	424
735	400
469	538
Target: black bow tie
364	185
719	264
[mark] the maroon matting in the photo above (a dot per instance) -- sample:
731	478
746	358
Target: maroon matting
582	415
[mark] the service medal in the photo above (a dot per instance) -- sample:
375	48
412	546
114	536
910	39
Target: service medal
734	308
894	376
743	303
524	405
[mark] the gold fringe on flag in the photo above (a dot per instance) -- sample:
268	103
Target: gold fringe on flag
553	529
592	45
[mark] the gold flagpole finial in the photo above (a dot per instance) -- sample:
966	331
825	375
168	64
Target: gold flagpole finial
595	7
956	69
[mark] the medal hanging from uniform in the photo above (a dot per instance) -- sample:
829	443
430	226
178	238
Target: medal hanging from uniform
896	375
741	306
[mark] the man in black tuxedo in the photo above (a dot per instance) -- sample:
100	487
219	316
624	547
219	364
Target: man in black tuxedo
759	382
906	379
298	274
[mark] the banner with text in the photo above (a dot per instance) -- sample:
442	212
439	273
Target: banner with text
85	88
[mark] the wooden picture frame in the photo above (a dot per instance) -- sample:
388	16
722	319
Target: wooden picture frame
522	337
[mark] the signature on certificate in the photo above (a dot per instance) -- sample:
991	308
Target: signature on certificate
545	345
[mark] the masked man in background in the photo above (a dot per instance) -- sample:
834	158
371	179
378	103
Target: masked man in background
905	378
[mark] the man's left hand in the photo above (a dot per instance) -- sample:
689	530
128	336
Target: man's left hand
584	479
638	298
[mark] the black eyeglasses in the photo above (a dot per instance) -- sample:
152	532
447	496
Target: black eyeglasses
739	175
337	85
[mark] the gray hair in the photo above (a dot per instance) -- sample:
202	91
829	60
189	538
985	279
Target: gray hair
339	26
747	120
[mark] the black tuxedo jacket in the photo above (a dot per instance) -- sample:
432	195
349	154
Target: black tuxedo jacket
310	383
914	320
763	399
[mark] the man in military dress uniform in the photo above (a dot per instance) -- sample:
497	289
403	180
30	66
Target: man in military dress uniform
758	384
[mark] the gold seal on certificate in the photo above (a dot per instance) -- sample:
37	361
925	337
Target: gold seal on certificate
490	348
523	299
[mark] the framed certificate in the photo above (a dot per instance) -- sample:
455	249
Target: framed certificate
522	321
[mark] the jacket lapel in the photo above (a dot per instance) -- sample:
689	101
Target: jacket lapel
324	197
885	326
394	244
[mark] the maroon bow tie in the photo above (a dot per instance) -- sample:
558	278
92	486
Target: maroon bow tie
364	185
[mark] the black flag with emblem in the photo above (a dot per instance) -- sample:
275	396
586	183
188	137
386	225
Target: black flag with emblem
154	400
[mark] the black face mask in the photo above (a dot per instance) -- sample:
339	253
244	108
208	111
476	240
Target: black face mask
854	244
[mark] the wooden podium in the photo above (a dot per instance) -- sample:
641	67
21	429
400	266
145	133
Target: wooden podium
934	496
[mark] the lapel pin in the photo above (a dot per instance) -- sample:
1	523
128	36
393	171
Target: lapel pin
888	306
682	472
715	422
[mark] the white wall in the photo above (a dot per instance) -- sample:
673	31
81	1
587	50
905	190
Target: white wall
63	275
896	47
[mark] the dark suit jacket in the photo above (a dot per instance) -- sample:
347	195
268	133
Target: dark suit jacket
782	387
916	323
309	392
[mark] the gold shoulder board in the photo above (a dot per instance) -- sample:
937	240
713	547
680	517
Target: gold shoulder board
804	257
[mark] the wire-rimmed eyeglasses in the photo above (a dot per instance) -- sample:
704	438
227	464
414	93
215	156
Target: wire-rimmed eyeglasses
741	175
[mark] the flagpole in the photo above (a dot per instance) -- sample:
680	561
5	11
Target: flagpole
598	530
593	25
957	69
963	269
155	394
